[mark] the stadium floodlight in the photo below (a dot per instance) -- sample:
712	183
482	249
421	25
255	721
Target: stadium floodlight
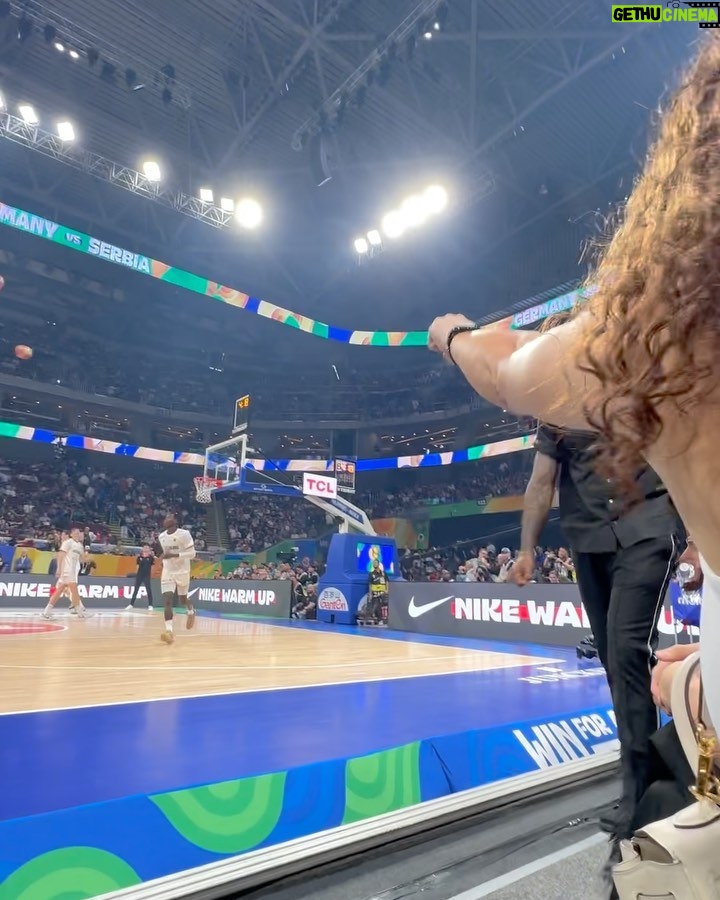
393	224
65	131
206	195
249	213
374	238
28	114
361	246
60	47
414	211
2	101
151	169
227	204
74	54
435	198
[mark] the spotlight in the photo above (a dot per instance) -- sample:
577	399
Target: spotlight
28	114
393	224
151	170
73	54
59	47
249	213
2	102
414	211
361	245
206	195
428	35
65	131
374	238
435	199
226	204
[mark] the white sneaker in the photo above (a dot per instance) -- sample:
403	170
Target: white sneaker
47	615
129	607
151	609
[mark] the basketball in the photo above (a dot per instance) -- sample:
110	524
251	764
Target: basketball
22	351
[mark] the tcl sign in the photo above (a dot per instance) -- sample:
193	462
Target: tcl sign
319	486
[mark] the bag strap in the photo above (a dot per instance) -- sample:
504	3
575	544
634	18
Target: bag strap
682	714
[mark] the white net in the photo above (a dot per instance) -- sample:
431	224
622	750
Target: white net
204	488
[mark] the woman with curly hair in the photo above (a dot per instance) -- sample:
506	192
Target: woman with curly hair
639	363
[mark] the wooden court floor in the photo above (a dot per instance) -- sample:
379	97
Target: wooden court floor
118	657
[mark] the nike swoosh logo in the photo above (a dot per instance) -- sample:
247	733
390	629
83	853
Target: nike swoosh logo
194	591
415	611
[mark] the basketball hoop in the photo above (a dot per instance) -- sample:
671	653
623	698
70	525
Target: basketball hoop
204	488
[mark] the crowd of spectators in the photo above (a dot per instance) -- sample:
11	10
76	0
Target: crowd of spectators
485	564
191	383
490	478
256	522
38	498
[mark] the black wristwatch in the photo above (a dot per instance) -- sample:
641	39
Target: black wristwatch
454	332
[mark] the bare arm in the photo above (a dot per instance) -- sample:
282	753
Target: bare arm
188	552
538	501
529	377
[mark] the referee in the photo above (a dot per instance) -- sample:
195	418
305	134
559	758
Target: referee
623	562
143	578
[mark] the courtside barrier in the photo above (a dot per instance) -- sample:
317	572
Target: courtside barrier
539	613
261	599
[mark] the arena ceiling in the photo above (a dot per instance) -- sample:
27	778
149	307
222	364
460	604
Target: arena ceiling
533	112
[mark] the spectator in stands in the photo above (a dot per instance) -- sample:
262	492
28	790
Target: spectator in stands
23	564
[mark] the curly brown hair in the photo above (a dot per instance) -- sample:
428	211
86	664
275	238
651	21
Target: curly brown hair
657	304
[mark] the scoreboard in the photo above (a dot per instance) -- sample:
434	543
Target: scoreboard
345	475
241	416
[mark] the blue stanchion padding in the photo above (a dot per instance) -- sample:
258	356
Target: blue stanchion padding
685	605
344	585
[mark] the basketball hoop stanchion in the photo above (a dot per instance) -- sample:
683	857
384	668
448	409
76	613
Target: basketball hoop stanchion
204	488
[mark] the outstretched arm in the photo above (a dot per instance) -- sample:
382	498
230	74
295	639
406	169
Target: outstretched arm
533	377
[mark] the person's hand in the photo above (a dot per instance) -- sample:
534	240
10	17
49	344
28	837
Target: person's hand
440	329
692	558
523	568
666	658
171	555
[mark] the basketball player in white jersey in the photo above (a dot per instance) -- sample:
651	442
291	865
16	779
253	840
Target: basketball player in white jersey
68	569
178	549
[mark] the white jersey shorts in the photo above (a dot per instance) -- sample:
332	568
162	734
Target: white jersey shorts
171	583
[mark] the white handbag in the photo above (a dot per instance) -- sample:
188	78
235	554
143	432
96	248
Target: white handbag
678	858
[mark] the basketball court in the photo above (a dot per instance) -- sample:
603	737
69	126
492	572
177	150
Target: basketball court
134	759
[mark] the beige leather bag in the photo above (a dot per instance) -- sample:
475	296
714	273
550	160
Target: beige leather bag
679	858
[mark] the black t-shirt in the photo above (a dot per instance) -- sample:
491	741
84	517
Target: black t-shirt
145	564
87	567
595	521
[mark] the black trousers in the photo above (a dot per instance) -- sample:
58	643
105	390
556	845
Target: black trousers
623	594
142	581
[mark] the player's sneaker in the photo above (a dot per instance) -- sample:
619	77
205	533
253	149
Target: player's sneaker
190	619
129	607
81	613
73	611
47	615
167	636
151	608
